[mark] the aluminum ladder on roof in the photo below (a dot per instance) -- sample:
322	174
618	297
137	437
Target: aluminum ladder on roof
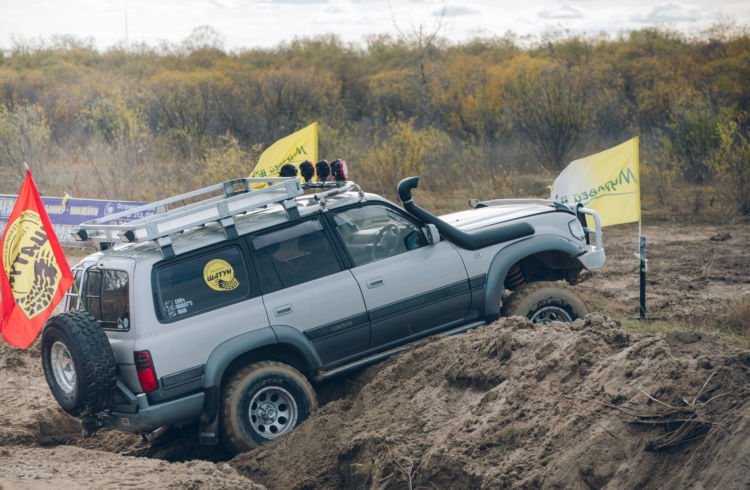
237	197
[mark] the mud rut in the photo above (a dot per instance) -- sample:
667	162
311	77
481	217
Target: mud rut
579	405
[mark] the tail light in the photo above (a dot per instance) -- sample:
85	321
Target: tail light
145	370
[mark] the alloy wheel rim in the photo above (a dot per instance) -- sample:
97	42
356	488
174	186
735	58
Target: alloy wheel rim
272	412
550	314
63	367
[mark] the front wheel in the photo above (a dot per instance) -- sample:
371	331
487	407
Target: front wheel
263	401
545	302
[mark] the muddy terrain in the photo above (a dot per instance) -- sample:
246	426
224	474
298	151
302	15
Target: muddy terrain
585	405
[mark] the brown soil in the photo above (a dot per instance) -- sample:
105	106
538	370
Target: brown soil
695	275
561	406
585	405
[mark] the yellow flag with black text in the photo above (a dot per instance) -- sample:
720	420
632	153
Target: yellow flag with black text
607	182
294	149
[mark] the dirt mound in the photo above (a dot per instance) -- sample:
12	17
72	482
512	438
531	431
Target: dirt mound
568	406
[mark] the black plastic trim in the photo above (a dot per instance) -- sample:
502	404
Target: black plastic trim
477	282
337	327
419	301
181	377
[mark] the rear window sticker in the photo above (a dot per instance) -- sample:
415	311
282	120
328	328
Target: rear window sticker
219	275
176	307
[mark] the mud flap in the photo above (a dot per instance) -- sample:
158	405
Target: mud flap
208	433
208	429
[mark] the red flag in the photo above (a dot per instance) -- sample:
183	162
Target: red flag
34	274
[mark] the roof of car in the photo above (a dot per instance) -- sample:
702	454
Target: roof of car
249	222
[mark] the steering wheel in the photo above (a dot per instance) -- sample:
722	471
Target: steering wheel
385	241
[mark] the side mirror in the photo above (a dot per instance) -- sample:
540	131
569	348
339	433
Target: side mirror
432	234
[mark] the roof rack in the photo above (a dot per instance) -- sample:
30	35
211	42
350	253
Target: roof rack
238	197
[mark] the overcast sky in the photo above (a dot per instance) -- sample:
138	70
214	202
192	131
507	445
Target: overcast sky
252	23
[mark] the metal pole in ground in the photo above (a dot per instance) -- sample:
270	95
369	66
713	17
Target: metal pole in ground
643	276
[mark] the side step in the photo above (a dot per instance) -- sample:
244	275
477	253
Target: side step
375	358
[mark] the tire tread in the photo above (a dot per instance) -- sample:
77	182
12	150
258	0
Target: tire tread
230	438
527	290
89	346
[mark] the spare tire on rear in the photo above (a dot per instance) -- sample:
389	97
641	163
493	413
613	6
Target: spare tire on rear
78	362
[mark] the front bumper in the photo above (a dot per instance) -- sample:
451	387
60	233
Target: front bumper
593	257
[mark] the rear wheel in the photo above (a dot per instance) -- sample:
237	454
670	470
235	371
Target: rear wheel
78	362
545	302
263	401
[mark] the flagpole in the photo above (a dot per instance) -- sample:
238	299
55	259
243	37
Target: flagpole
642	255
641	240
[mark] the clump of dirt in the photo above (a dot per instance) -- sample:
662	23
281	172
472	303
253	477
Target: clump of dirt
565	405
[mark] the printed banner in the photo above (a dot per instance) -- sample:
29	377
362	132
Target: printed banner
294	149
606	182
34	274
67	214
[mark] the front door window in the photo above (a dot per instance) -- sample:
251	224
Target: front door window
375	232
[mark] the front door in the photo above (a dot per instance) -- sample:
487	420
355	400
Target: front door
409	286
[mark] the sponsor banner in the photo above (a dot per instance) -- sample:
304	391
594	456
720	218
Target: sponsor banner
294	149
67	214
606	182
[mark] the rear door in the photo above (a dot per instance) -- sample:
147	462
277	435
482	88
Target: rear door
409	286
306	287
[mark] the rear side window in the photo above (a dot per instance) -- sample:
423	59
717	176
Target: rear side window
105	296
294	255
202	283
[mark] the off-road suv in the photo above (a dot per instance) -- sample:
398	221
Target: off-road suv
224	310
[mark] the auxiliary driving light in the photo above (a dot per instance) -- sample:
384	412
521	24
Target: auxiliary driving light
323	169
340	170
307	170
288	170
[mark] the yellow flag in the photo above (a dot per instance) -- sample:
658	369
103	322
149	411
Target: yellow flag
607	182
295	149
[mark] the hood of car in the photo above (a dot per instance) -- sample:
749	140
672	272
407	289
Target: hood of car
476	218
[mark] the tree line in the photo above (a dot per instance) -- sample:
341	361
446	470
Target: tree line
142	121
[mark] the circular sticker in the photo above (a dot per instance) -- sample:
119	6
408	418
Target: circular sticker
30	264
219	275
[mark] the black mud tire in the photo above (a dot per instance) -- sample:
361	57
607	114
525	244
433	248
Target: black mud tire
78	363
544	302
288	397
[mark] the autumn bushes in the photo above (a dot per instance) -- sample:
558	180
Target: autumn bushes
487	118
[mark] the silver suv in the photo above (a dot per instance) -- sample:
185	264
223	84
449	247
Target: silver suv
223	310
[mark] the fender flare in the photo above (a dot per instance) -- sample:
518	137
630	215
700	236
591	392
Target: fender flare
229	350
507	256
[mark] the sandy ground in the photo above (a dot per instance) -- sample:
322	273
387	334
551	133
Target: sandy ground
585	405
695	273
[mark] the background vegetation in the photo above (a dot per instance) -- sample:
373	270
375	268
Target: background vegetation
494	117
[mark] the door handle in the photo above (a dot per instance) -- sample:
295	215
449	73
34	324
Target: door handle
373	283
283	310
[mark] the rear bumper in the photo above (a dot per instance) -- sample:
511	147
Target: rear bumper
149	417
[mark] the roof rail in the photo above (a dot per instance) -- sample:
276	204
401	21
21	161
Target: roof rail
238	197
